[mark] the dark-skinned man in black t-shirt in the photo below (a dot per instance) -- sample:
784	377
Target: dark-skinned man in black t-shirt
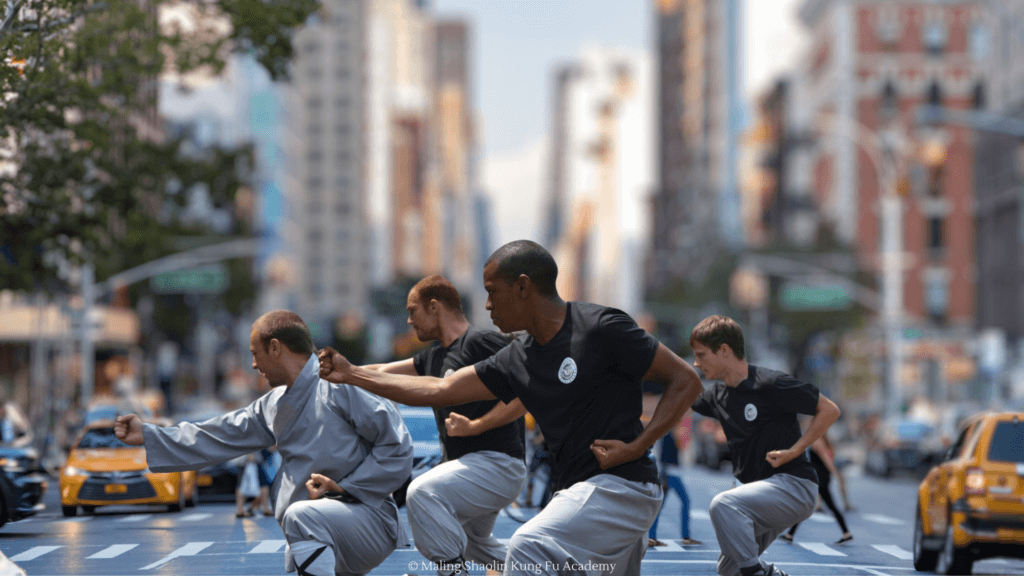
453	506
758	411
578	370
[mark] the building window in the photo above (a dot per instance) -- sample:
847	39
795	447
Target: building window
936	293
342	289
315	103
890	103
314	157
341	209
342	73
935	94
342	158
310	47
933	36
980	42
978	96
935	240
341	129
314	73
314	184
343	236
315	235
889	29
315	129
342	102
342	183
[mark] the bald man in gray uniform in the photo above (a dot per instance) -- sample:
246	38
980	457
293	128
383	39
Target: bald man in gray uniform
343	452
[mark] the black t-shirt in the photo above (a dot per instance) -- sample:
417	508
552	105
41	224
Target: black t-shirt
583	385
758	416
473	346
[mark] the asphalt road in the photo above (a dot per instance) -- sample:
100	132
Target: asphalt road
210	540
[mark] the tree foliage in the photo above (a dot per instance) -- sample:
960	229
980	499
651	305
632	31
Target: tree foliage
85	171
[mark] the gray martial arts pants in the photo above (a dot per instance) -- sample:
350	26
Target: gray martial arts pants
361	536
452	507
748	518
598	526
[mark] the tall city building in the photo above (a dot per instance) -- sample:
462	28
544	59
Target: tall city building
869	67
327	151
696	203
999	172
600	169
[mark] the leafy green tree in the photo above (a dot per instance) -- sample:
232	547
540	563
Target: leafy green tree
85	173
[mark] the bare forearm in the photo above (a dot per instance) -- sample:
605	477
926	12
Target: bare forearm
499	416
823	418
680	394
409	390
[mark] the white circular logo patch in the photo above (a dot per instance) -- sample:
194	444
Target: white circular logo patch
448	372
750	412
567	372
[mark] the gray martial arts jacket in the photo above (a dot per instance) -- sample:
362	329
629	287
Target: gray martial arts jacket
343	432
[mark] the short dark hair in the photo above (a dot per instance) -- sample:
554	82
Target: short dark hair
714	331
525	257
288	328
438	288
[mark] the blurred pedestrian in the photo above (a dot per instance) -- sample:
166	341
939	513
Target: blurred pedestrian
248	487
344	451
670	473
14	427
825	468
758	411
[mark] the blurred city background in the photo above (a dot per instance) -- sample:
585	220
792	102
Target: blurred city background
844	177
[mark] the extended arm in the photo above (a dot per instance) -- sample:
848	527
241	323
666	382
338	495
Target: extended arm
682	386
461	387
824	415
500	415
190	446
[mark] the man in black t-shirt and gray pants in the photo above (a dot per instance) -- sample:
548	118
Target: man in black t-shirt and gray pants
453	507
758	411
578	370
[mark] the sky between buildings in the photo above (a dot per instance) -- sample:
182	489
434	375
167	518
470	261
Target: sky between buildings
518	43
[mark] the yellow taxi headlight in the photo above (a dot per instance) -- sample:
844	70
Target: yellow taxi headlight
72	471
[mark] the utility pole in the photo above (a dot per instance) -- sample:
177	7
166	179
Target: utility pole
88	347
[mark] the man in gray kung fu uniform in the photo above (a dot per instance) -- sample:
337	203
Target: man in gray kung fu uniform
331	438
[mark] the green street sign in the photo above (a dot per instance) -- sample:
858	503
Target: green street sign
211	279
808	297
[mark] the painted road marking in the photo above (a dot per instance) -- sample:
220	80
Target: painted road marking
820	548
194	517
33	553
894	550
883	519
268	547
112	552
190	549
135	518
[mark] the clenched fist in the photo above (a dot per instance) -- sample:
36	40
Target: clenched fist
333	366
128	429
458	425
318	484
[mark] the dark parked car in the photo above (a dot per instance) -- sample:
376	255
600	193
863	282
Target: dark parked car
21	485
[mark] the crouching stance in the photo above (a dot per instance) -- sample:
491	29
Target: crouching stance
343	452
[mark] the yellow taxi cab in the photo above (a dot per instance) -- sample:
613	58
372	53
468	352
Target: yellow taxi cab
101	471
971	506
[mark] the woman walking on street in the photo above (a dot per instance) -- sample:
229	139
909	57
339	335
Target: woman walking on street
823	464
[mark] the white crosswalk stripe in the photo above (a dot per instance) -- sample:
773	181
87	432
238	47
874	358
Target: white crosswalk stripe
78	519
194	517
112	552
190	549
894	550
669	546
135	518
883	519
700	515
268	547
33	553
820	517
820	548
